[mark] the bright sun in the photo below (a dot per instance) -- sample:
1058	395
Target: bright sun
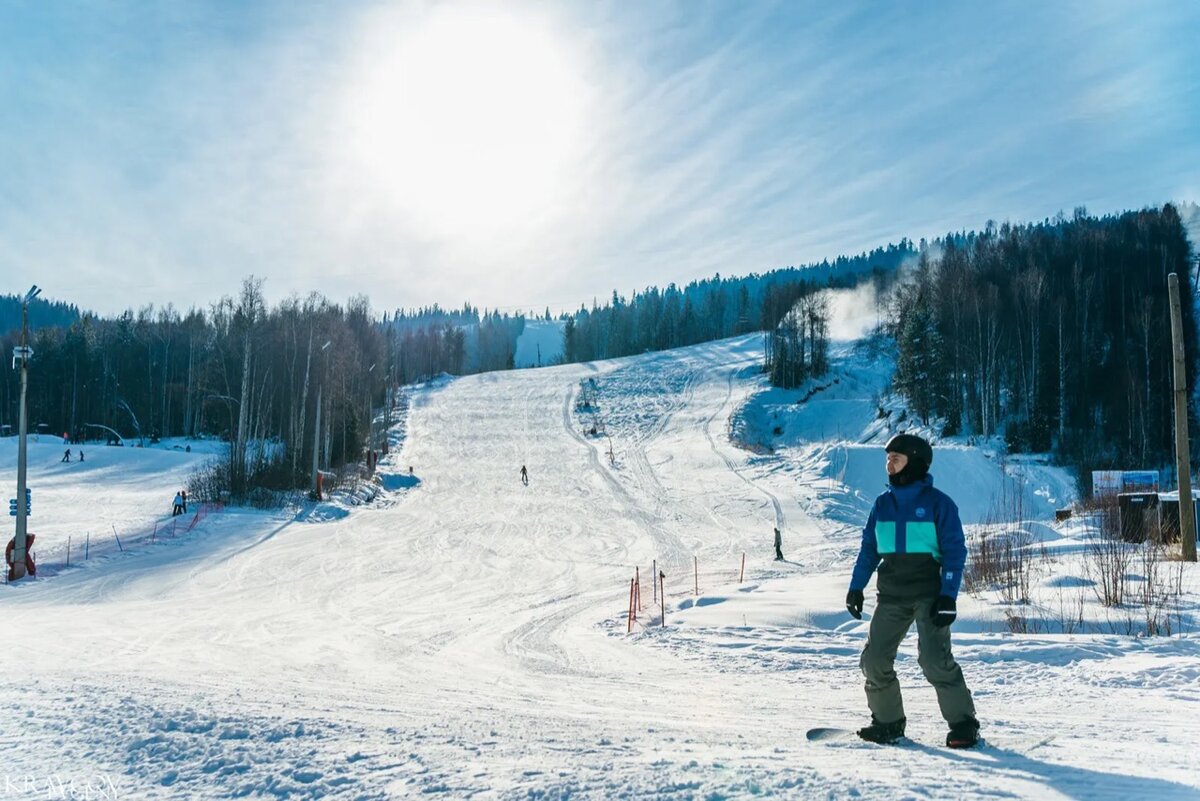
472	119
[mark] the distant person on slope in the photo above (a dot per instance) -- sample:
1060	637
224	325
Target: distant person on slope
67	455
177	509
183	501
915	538
524	475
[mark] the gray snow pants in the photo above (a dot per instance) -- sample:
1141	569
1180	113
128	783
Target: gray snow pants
889	625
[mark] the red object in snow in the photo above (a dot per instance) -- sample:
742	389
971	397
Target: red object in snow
30	567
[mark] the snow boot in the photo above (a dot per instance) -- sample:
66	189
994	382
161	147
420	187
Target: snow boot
964	734
883	733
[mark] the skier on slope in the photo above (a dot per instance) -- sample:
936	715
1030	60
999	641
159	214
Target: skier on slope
915	538
524	475
177	505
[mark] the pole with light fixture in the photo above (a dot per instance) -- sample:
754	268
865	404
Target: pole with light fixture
22	354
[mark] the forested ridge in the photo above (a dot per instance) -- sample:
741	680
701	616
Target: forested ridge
1056	335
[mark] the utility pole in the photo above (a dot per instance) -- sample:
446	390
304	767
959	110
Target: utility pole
317	425
23	353
1187	512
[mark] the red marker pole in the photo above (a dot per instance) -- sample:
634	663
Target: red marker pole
662	595
629	629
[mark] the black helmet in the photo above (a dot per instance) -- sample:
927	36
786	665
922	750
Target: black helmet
912	446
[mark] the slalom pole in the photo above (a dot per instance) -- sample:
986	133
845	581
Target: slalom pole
68	550
629	628
662	596
696	568
172	528
87	546
118	539
154	533
637	575
653	583
742	575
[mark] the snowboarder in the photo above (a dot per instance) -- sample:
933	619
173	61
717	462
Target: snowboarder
67	455
915	538
30	567
177	507
524	476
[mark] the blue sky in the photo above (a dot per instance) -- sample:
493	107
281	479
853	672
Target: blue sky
525	155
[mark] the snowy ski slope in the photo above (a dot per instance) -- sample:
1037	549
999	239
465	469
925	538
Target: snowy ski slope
466	638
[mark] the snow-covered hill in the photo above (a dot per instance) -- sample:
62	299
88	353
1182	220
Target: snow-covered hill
467	636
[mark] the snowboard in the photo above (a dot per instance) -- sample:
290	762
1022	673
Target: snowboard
831	734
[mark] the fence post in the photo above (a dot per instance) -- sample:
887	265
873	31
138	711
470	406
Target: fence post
629	618
637	575
662	595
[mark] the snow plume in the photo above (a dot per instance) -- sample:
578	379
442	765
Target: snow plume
853	312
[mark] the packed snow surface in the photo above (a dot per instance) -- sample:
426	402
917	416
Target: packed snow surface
465	634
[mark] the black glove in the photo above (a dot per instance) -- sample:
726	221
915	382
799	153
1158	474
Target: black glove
854	602
945	610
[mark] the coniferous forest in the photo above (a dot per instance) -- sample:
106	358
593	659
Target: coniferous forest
1056	335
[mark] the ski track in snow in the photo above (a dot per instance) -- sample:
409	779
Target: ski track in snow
466	639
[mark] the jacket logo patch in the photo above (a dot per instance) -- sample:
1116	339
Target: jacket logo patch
920	511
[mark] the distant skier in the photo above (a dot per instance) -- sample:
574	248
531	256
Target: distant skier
81	454
183	501
67	455
177	508
915	532
778	546
524	476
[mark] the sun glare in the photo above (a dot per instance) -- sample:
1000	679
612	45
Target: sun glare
470	120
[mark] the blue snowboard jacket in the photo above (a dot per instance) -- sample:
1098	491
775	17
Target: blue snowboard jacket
915	538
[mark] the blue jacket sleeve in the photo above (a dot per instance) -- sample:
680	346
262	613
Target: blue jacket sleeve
953	545
868	556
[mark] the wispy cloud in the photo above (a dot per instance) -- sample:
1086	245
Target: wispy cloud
155	156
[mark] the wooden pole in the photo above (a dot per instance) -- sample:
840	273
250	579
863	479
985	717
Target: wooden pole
637	576
742	575
1187	512
629	629
662	595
